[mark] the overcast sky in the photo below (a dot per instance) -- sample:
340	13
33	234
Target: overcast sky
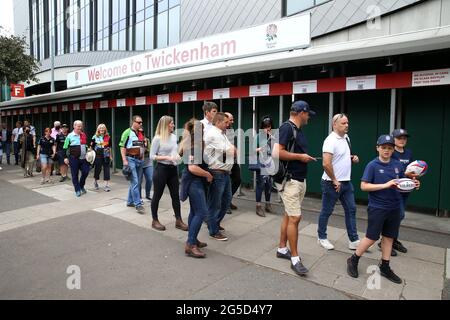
6	15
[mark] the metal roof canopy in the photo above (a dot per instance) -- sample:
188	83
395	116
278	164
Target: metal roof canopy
417	41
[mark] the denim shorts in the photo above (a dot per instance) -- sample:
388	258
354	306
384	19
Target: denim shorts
45	159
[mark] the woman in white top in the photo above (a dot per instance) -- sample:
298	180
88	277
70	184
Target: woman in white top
164	152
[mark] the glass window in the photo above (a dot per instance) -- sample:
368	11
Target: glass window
173	3
115	11
122	9
115	41
162	29
123	40
149	29
174	26
296	6
140	36
149	11
163	5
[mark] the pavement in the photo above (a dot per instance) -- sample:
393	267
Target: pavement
45	232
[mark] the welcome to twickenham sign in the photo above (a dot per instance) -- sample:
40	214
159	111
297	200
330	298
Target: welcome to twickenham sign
282	35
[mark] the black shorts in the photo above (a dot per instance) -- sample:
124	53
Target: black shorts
60	156
384	222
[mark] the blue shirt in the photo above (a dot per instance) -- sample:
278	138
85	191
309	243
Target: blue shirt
296	168
405	157
378	172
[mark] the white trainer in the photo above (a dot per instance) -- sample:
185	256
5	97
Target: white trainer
353	245
325	244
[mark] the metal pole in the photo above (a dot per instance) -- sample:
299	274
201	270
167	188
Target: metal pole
52	85
239	138
254	131
393	109
331	106
97	117
280	120
152	113
113	137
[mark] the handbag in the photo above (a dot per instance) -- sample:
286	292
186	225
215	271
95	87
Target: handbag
281	174
38	165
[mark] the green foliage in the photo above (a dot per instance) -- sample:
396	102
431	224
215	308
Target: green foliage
15	64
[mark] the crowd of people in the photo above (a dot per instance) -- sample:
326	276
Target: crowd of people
211	175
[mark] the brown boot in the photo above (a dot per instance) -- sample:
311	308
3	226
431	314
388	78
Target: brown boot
179	224
201	244
194	251
260	211
269	208
158	226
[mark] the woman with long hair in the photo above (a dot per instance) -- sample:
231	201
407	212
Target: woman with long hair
101	144
194	184
164	152
46	151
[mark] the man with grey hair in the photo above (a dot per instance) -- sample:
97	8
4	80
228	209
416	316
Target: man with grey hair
75	146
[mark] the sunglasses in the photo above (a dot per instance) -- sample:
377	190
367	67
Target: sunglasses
138	122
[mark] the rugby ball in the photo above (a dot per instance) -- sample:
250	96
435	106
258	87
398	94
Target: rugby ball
418	167
405	185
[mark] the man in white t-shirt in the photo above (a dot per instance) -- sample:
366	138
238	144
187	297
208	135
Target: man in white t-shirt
15	141
336	182
209	110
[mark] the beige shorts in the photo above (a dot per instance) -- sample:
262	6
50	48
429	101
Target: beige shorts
292	196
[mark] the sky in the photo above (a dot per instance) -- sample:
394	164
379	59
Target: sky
6	15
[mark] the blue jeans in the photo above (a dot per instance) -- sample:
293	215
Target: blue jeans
347	199
263	183
6	146
199	209
147	172
134	195
219	200
77	165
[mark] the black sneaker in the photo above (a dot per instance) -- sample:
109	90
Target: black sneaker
393	252
397	245
299	268
284	255
390	275
352	268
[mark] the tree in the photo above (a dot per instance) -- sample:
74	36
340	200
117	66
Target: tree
15	64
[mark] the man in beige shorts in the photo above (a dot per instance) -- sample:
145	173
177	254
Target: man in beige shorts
292	147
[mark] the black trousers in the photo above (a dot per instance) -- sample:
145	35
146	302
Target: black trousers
235	178
99	164
165	175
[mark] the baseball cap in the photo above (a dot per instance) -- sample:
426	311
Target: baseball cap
64	126
299	106
385	139
399	133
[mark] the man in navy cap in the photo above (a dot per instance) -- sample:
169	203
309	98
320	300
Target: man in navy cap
380	181
292	147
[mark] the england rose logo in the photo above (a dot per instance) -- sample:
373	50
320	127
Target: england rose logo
271	35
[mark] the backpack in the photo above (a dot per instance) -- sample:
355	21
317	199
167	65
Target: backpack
282	173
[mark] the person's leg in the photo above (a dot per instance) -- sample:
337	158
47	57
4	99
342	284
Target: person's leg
8	152
43	159
226	199
16	152
74	165
174	189
329	198
283	231
148	172
159	183
292	234
97	170
199	209
106	171
259	187
267	187
85	168
347	198
216	191
136	173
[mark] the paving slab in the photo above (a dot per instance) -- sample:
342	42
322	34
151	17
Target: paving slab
333	233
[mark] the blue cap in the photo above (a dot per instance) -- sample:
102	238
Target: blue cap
385	139
400	133
299	106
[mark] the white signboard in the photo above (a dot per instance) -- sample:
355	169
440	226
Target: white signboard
221	93
121	102
282	35
89	106
104	104
362	83
259	90
54	109
141	101
431	78
65	108
76	107
190	96
304	87
163	98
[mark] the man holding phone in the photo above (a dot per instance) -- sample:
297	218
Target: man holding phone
336	182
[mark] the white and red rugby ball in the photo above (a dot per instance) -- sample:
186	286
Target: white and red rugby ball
405	185
418	167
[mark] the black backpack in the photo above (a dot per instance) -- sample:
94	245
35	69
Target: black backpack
281	174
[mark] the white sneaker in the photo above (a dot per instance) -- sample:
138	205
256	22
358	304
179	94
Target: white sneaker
325	243
353	245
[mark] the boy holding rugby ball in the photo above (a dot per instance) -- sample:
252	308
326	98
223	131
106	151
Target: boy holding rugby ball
380	180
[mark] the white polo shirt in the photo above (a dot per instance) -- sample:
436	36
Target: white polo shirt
342	162
206	126
218	147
